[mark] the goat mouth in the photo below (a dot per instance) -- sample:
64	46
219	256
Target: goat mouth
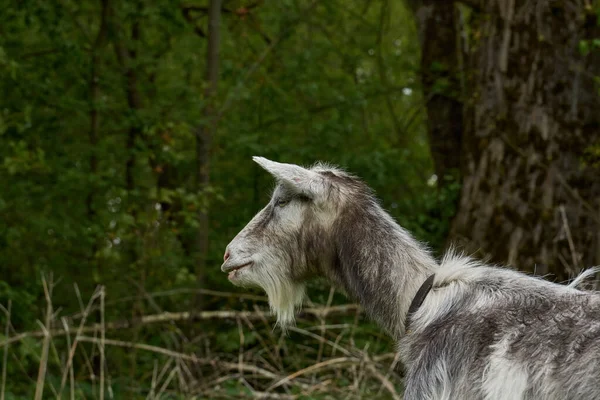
233	269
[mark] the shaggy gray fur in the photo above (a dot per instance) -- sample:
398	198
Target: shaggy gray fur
483	332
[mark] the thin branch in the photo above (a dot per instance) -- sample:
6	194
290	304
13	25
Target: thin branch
182	316
174	292
183	356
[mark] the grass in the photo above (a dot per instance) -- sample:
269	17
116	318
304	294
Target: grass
332	353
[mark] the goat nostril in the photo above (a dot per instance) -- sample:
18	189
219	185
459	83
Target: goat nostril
226	256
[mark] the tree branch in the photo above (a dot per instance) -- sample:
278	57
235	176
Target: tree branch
169	317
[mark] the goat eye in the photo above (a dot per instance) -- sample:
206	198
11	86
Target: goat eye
282	202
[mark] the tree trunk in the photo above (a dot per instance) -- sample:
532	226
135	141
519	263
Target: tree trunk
529	198
204	135
127	58
94	115
94	96
441	86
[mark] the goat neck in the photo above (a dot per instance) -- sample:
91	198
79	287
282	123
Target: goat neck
378	263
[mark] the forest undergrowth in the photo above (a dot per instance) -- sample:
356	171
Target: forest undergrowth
333	352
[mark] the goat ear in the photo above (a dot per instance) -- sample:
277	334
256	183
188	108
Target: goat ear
300	179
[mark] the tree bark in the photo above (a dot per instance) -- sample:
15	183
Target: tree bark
99	44
127	58
94	96
528	198
441	86
204	134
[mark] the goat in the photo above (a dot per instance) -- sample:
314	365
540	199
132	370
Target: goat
476	331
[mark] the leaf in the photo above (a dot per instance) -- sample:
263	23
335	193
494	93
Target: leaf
584	47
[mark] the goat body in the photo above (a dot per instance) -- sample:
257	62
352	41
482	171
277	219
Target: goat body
482	332
492	333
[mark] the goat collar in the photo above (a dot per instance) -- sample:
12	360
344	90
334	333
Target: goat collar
418	299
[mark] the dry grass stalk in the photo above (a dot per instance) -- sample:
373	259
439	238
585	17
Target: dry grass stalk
187	357
70	368
273	350
161	375
273	355
74	345
5	357
241	349
317	366
102	337
384	381
321	340
257	376
39	388
391	369
153	383
574	256
322	325
167	382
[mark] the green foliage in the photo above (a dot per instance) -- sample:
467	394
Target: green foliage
439	207
591	156
586	46
300	81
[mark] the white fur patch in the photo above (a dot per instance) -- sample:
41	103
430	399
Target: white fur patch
504	379
443	391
